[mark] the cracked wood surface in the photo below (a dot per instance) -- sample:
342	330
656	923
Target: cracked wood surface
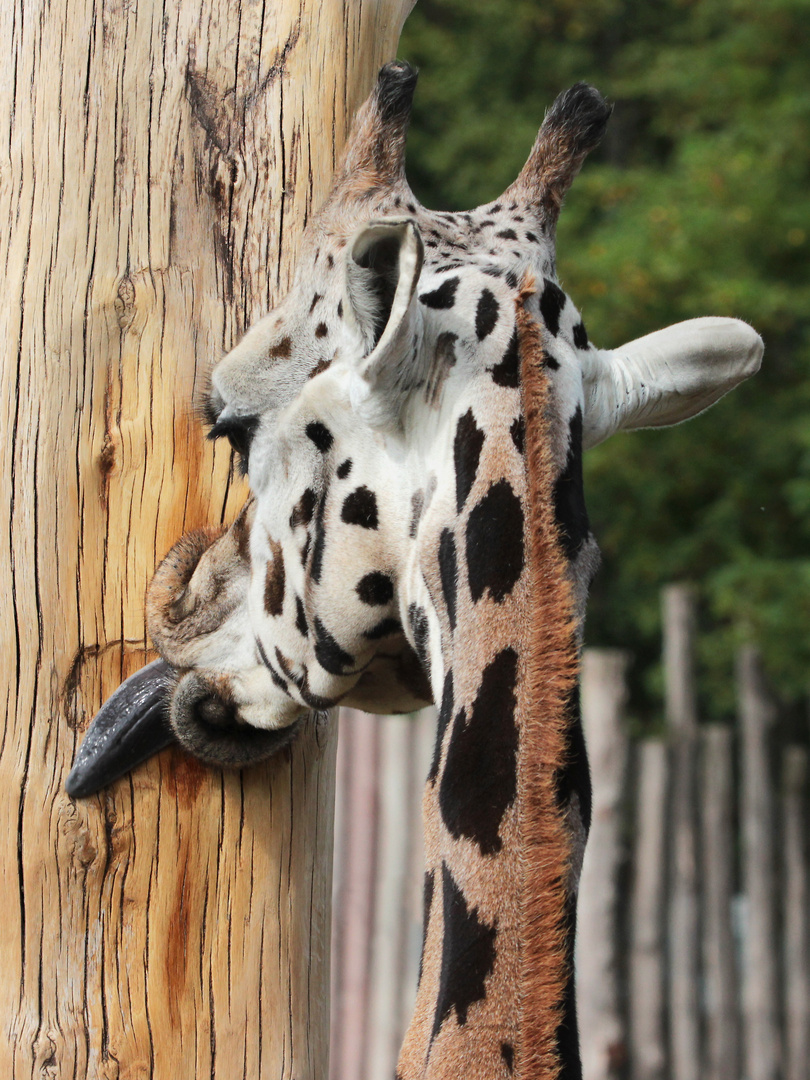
157	165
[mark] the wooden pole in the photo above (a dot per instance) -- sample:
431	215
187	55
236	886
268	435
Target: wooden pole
719	955
603	1038
647	967
761	981
360	744
396	827
796	912
684	941
158	164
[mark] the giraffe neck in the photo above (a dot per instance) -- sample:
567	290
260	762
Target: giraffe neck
505	797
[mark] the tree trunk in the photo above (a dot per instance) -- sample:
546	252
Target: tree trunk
604	695
684	941
647	967
761	981
796	909
158	165
719	959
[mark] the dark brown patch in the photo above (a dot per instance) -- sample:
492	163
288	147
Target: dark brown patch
274	581
486	314
467	446
518	433
328	652
552	301
580	335
443	297
417	505
569	499
468	956
281	349
445	715
420	629
506	372
384	628
241	530
321	330
443	360
448	571
479	782
320	435
375	589
321	366
494	543
304	509
360	508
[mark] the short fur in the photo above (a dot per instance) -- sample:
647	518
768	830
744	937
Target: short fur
412	417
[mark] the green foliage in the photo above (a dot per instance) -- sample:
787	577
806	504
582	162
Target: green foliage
697	203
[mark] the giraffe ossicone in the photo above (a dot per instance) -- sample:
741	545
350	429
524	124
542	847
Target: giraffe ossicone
412	418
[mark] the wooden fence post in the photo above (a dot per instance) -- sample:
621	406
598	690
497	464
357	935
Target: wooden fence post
603	1038
647	965
379	868
158	163
719	955
684	952
796	912
760	978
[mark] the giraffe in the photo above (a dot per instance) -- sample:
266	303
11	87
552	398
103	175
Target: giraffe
412	418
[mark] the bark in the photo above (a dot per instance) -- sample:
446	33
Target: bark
684	942
761	981
719	957
604	1039
647	967
158	164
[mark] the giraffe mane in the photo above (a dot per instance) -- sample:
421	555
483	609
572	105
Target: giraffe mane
551	660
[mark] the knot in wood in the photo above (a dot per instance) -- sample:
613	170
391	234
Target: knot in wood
125	303
227	177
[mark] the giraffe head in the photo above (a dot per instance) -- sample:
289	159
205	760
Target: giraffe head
373	409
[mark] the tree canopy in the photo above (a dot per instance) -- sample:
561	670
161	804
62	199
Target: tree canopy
697	203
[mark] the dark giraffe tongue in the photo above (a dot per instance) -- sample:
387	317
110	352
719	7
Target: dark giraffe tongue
131	726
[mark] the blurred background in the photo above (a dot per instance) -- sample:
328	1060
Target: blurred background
697	203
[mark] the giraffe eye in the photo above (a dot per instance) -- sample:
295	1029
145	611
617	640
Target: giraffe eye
239	431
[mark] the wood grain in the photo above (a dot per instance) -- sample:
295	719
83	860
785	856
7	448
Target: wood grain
604	720
157	166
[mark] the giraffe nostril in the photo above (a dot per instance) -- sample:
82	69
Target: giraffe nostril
206	721
215	712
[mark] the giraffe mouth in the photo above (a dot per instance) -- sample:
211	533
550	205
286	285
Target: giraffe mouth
152	710
199	588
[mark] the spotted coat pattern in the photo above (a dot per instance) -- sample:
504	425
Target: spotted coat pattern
411	418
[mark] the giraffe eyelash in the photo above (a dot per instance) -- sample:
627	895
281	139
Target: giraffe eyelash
239	431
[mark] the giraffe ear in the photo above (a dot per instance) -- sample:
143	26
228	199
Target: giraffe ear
383	264
666	377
